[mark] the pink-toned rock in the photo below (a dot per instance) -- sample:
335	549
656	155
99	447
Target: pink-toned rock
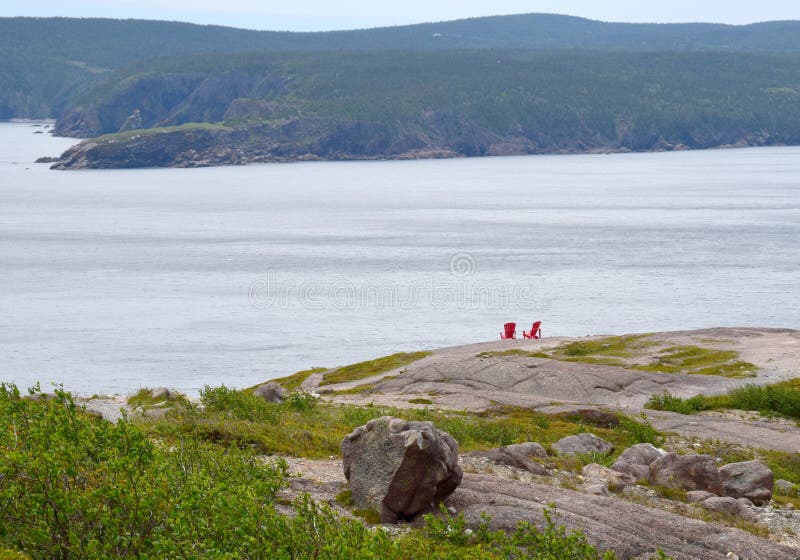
399	468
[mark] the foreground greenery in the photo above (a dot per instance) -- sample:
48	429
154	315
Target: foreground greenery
75	486
780	399
304	427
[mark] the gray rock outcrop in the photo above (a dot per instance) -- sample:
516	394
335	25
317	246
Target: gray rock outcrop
512	457
133	122
726	505
160	393
595	474
581	444
636	460
696	496
751	479
399	468
785	487
632	530
528	449
271	392
687	472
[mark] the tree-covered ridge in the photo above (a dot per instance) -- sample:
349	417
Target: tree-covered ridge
547	101
45	60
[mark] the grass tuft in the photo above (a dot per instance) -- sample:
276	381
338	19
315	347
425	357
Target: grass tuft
362	370
294	381
700	361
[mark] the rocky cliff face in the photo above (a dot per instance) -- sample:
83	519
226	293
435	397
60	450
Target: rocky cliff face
305	139
288	140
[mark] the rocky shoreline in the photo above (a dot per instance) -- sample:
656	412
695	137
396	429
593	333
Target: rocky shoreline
320	139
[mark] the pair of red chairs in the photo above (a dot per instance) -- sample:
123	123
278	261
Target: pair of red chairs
510	331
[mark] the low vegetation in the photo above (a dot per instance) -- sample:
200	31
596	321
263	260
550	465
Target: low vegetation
779	399
631	350
302	426
700	361
369	368
294	381
145	398
76	486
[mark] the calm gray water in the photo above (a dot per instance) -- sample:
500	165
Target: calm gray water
114	280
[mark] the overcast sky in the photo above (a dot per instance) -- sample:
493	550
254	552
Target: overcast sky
347	14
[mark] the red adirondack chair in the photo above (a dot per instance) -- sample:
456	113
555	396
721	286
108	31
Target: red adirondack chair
535	332
510	331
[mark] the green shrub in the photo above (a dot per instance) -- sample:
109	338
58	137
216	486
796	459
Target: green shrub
242	405
667	401
73	485
779	399
640	430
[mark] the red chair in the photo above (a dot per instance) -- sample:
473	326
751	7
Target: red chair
535	332
510	331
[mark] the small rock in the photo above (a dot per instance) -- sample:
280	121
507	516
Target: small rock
641	454
271	392
160	393
582	444
614	480
785	488
528	449
596	489
751	479
698	496
726	505
505	456
747	504
636	460
687	472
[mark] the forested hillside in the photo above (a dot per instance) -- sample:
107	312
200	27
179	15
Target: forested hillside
46	60
267	107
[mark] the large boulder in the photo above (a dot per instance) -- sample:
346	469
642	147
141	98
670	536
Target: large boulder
751	479
399	468
582	444
636	460
270	392
687	472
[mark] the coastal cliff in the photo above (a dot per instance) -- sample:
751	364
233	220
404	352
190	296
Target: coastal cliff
237	109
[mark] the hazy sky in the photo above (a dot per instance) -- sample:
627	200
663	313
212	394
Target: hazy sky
342	14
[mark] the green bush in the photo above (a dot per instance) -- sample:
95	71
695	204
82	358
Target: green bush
667	401
780	399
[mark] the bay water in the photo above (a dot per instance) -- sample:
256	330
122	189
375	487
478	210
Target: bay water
120	279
